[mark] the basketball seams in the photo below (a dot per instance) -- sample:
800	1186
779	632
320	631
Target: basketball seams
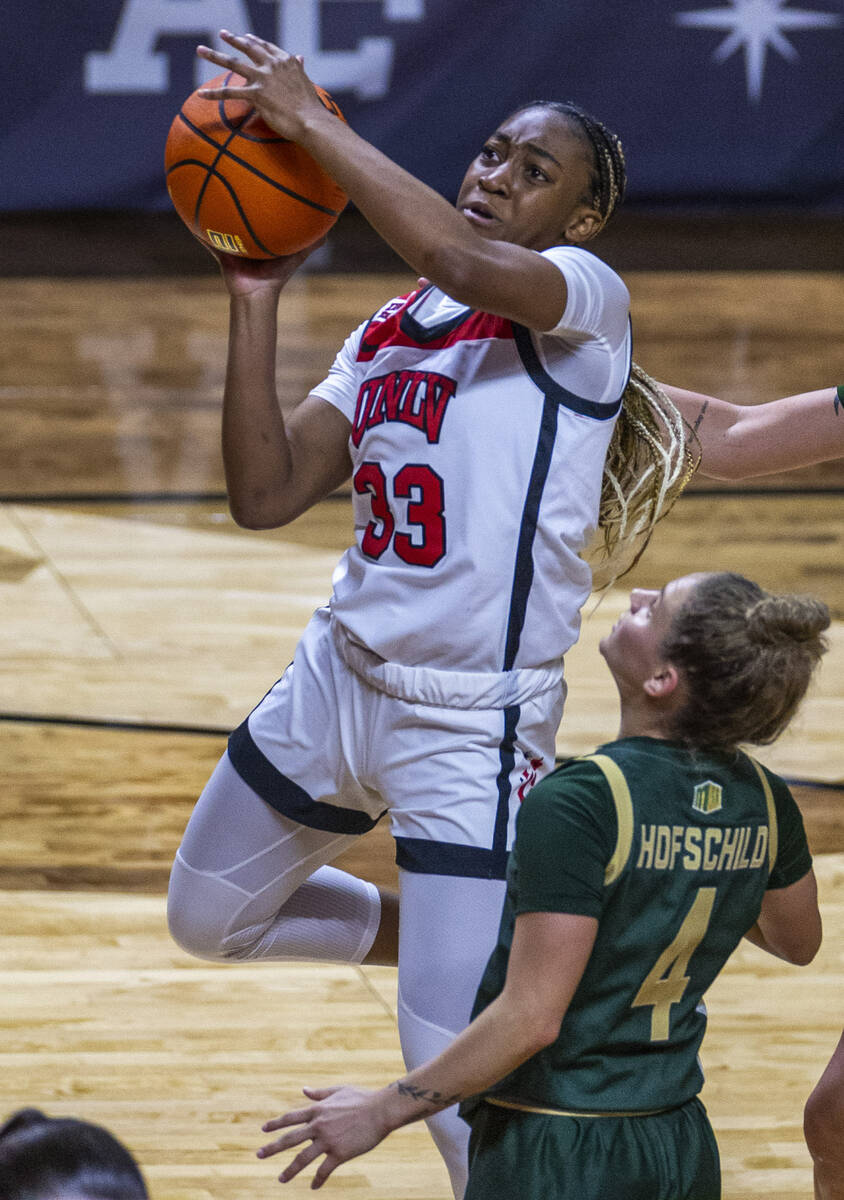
225	190
246	223
223	149
227	121
212	171
209	172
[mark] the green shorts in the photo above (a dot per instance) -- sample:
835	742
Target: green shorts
667	1156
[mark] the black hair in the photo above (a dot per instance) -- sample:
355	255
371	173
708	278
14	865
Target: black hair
43	1157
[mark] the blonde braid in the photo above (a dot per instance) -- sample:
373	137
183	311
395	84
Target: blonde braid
652	456
653	453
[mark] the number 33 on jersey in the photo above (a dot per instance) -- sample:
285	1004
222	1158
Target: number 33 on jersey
476	478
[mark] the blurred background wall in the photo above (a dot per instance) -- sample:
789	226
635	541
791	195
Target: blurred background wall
731	114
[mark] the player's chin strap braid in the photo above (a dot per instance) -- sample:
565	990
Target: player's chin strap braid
652	456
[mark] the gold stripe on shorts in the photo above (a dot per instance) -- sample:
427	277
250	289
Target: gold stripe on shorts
564	1112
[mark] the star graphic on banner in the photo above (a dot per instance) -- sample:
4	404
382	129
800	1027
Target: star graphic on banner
754	25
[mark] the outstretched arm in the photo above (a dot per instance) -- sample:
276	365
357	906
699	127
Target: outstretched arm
547	959
738	441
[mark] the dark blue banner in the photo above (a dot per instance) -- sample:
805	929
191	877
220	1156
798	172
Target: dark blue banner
723	102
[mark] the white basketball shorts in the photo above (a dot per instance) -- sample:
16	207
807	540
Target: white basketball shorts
344	738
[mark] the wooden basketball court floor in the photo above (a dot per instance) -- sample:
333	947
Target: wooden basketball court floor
140	625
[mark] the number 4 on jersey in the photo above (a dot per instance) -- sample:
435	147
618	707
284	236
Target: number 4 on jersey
666	982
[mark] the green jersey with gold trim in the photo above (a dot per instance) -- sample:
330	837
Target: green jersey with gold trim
672	851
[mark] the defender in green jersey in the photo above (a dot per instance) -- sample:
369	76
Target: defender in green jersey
672	852
635	873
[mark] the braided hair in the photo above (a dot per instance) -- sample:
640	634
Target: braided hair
653	453
651	457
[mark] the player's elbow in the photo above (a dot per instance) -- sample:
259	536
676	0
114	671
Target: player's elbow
255	513
735	452
799	947
802	955
723	471
790	921
526	1025
540	1028
823	1123
547	1033
724	461
248	518
533	1036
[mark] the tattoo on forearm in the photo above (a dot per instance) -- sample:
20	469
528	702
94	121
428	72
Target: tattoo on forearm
426	1096
700	416
838	402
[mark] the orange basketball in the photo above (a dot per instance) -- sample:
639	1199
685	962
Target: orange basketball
241	187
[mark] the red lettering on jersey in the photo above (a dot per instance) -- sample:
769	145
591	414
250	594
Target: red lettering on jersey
417	398
438	392
411	412
362	407
528	778
392	389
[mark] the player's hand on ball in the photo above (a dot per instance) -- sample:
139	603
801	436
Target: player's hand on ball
245	276
276	83
342	1123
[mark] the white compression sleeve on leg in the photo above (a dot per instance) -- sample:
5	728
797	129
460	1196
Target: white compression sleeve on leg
249	883
421	1041
331	917
447	930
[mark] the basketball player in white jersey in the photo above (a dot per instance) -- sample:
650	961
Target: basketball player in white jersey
473	418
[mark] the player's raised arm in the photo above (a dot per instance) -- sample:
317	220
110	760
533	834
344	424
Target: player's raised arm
275	468
738	441
530	187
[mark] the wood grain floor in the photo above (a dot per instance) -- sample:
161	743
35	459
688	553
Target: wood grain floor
140	625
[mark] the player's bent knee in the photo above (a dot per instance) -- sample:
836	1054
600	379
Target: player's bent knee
192	934
196	919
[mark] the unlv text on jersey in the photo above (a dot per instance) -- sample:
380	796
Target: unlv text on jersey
417	398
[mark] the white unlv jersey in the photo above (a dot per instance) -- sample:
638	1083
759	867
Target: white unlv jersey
478	449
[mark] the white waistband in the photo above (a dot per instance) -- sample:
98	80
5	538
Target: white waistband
445	689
